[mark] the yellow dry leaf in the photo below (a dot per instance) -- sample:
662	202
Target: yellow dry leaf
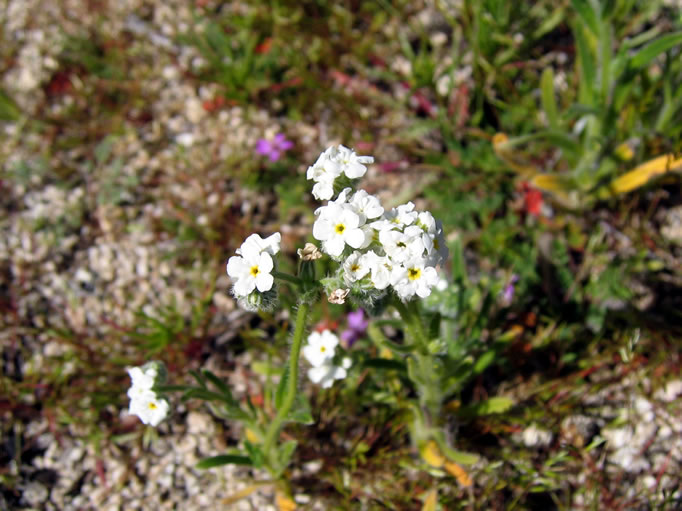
284	503
641	174
251	436
505	154
458	473
550	183
431	454
431	500
240	494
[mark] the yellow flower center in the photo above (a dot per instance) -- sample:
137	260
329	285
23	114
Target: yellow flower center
340	228
354	267
254	271
414	273
322	349
152	405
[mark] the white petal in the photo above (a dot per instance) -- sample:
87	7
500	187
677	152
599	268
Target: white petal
264	282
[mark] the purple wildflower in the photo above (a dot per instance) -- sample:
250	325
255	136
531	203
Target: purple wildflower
508	291
274	148
357	324
357	321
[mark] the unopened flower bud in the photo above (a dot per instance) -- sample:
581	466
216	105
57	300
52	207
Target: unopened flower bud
338	296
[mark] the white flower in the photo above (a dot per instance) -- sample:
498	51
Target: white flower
351	164
333	162
255	243
144	401
320	348
354	267
401	246
149	407
324	171
433	238
338	226
417	279
251	271
380	269
327	373
142	380
366	205
396	218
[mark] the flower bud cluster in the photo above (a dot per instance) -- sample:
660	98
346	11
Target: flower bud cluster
335	162
320	351
145	402
251	269
379	249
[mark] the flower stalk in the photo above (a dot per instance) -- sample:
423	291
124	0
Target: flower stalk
276	425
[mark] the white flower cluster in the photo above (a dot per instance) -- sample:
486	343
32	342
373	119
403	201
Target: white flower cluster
320	352
331	164
252	266
145	402
378	249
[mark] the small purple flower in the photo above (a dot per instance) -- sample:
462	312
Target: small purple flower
357	321
508	291
357	324
274	148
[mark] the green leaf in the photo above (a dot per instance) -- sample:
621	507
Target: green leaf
224	459
488	407
384	364
484	361
588	73
587	15
652	50
255	454
286	451
548	100
301	412
220	384
282	389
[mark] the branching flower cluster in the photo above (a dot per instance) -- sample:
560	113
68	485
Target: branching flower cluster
145	402
332	165
399	248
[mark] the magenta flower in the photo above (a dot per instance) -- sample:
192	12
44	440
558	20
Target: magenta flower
274	148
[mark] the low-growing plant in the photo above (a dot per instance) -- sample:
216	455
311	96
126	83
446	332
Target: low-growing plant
390	264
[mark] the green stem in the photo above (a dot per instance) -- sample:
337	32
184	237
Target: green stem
286	277
413	322
273	430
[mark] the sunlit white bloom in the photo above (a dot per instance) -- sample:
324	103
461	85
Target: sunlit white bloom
325	374
433	238
320	347
254	243
350	163
251	271
354	267
366	205
144	400
336	227
149	407
333	162
396	218
418	278
142	379
380	268
401	246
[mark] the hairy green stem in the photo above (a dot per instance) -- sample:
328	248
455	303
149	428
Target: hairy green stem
286	277
276	425
413	322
